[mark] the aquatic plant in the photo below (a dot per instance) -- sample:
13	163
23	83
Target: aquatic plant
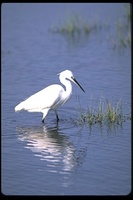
123	29
74	25
105	112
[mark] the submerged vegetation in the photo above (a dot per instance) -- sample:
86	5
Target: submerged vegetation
123	29
105	112
75	25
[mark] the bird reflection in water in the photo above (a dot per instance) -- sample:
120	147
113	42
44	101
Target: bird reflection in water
49	144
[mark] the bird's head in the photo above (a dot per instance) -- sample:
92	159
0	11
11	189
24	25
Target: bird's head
67	74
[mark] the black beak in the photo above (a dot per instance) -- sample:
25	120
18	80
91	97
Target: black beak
76	82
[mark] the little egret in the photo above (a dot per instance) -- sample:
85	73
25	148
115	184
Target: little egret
51	97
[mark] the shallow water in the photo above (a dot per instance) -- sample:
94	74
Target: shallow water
66	158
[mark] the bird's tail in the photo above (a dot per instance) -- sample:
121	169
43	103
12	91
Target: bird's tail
19	107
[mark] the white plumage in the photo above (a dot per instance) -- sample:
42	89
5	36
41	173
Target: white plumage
51	97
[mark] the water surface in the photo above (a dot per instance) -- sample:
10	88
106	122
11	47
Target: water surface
63	159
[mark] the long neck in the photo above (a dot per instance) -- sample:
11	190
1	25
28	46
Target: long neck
68	86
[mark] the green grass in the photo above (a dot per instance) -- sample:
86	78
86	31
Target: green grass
74	25
123	29
105	112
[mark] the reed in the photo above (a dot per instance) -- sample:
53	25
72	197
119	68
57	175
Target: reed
123	29
74	25
106	112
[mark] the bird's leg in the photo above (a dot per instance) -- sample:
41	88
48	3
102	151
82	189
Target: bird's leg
45	112
42	120
56	116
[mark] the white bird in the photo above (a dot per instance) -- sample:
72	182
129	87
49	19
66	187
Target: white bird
51	97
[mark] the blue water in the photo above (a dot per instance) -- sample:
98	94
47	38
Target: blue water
69	158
